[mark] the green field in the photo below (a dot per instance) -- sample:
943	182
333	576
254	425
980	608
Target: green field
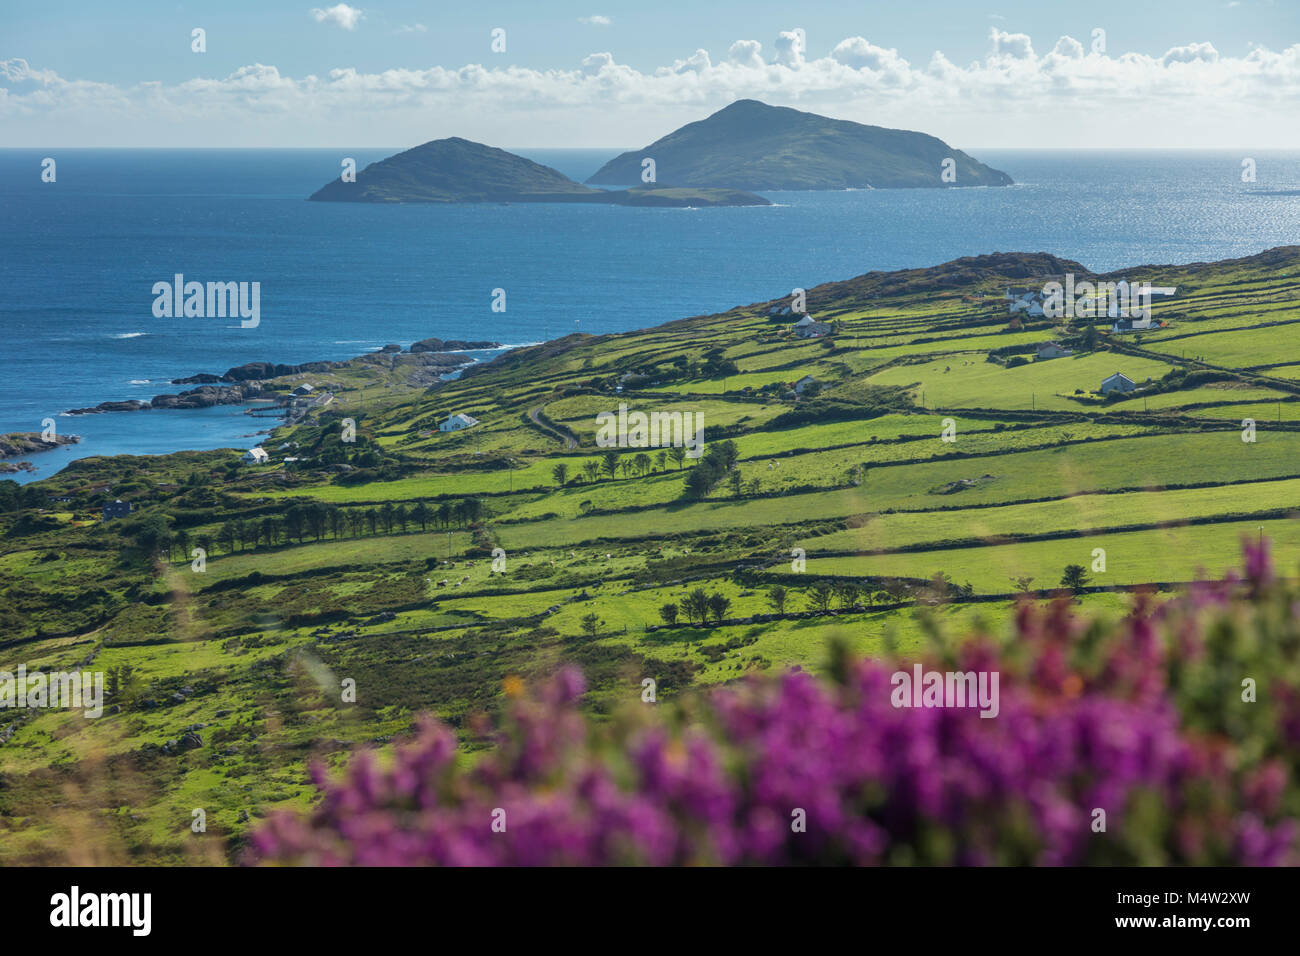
935	470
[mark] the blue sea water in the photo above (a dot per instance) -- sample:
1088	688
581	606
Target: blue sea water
79	257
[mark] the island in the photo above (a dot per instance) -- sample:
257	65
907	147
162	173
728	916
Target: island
753	146
456	170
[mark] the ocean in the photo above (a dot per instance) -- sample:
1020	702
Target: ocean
79	257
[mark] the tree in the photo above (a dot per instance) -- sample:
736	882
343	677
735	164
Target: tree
642	463
847	592
560	472
469	510
372	520
609	463
1090	338
445	514
591	468
316	521
669	613
226	536
696	605
776	599
591	626
387	514
719	606
1075	577
678	454
182	539
1022	583
736	482
820	596
420	514
293	523
661	459
402	517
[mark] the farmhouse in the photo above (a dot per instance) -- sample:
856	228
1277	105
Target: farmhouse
256	456
1119	382
304	389
117	509
807	328
1051	350
1024	300
803	383
456	422
1131	325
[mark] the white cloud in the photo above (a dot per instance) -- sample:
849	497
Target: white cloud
747	53
1193	53
596	21
791	46
1068	48
859	54
1189	96
1014	45
413	28
343	15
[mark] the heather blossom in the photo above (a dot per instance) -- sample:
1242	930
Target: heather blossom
1142	727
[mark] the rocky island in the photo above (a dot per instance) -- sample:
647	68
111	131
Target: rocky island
456	170
753	146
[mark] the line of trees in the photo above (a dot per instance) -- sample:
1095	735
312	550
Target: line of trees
699	606
612	464
309	520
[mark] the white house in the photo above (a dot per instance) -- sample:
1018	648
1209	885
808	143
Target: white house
304	389
1025	300
456	422
803	383
809	328
256	456
1051	350
1119	382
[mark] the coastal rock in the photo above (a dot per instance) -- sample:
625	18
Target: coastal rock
438	345
206	396
15	444
129	406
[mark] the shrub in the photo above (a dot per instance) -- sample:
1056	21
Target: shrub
1146	720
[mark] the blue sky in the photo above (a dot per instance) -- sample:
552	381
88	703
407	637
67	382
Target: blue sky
1185	73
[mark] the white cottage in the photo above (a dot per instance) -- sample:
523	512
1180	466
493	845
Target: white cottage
1119	382
456	422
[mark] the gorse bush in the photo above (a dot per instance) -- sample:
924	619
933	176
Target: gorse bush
1154	721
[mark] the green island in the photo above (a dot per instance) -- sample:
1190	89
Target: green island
751	145
456	170
910	460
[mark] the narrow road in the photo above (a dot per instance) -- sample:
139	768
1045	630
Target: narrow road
535	415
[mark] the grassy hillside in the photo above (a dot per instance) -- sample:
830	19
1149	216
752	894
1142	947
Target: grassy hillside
935	471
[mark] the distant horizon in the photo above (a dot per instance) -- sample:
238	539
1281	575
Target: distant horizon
279	74
590	149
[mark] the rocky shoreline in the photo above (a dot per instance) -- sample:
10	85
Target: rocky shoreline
243	383
18	444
